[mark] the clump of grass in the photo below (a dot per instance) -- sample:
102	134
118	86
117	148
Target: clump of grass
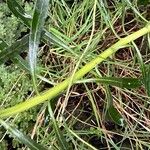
107	107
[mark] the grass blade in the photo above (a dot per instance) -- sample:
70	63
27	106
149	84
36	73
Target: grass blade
40	14
14	49
50	37
16	58
61	140
128	83
3	45
21	62
146	79
19	12
111	112
144	69
21	137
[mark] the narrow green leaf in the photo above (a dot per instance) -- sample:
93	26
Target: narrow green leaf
119	82
140	59
21	137
144	69
50	37
19	12
111	112
16	58
14	49
21	62
114	115
3	45
146	79
40	14
61	140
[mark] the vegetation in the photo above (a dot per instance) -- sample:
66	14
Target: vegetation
74	74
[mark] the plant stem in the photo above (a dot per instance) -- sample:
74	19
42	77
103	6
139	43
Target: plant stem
53	92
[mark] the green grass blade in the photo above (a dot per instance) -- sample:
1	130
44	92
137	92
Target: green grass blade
19	12
3	45
130	4
21	62
128	83
146	79
61	140
14	49
111	112
80	139
51	38
40	14
53	92
145	70
21	137
92	100
16	58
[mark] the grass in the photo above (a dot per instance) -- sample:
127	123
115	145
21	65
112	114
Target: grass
90	114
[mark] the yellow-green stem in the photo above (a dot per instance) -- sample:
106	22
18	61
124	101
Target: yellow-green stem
53	92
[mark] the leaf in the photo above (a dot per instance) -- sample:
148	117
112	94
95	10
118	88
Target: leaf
21	137
111	112
40	14
146	79
114	115
16	58
10	53
62	86
144	69
21	62
19	12
14	49
119	82
3	44
50	37
61	140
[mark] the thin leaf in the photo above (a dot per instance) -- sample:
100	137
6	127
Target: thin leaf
144	69
16	48
21	62
61	140
111	112
16	58
140	59
91	147
50	37
40	14
114	115
19	12
21	137
119	82
146	79
3	45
